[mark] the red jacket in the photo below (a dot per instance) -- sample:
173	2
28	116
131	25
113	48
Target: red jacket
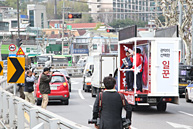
139	62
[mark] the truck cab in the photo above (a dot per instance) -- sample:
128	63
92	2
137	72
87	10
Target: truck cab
44	60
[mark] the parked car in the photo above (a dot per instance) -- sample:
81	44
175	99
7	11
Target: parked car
59	89
189	92
64	71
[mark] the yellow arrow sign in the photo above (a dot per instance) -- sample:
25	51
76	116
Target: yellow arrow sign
1	67
16	70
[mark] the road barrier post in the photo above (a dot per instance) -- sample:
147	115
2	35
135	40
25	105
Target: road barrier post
11	111
20	115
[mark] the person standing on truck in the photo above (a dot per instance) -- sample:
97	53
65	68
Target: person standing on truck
128	64
29	87
109	108
139	67
45	86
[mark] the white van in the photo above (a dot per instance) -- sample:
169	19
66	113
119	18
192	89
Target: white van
82	62
88	71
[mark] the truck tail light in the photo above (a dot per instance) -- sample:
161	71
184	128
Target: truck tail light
138	99
88	83
167	99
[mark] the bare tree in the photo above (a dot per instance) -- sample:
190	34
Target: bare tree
43	45
170	12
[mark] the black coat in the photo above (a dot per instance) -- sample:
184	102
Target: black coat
111	113
44	84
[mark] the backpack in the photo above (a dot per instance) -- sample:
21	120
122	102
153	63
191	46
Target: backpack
100	101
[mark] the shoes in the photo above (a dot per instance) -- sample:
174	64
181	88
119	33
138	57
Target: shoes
138	91
130	90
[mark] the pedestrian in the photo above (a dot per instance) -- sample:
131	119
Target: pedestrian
21	90
29	87
22	85
45	86
127	64
108	107
139	68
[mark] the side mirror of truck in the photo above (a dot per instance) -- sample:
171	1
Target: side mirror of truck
70	74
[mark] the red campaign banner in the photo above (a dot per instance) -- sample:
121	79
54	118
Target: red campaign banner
122	56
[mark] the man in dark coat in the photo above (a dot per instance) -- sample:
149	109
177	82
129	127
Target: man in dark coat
111	107
45	86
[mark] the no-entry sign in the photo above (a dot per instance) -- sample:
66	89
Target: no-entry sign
12	47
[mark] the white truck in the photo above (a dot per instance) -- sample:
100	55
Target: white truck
160	71
104	65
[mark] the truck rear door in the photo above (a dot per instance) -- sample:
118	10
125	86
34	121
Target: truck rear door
164	70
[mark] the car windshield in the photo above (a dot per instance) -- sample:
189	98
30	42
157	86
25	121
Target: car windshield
43	58
57	78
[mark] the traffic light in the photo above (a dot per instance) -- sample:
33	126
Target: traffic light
74	15
18	42
111	30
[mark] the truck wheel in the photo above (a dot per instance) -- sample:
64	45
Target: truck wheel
186	96
93	92
85	89
161	106
83	86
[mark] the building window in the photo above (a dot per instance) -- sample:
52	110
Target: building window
52	32
94	46
31	18
13	24
42	20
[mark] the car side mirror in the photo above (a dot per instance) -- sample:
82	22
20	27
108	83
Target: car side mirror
70	74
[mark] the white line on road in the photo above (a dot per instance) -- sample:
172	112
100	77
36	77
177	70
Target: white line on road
80	93
186	113
74	83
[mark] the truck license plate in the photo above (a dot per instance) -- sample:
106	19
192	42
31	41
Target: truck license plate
151	100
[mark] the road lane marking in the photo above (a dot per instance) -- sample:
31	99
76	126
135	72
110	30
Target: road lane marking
186	113
80	94
74	83
175	125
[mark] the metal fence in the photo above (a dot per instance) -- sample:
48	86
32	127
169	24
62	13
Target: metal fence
16	113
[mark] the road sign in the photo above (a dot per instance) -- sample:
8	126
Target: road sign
20	52
1	67
15	70
12	47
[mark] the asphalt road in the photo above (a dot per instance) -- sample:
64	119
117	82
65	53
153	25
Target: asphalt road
79	110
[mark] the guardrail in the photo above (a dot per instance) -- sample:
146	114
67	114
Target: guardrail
16	113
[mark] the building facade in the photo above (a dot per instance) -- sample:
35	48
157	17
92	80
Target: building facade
37	15
122	9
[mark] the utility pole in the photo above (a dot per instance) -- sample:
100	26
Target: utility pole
63	28
18	26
